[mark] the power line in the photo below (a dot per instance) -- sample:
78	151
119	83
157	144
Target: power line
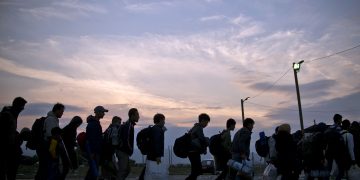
271	85
320	111
316	59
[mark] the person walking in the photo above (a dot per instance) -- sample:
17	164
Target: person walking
10	151
126	150
94	142
221	160
69	138
240	149
199	144
156	151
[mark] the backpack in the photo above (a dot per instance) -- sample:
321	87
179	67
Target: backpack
143	140
36	134
182	145
215	146
262	146
308	146
81	140
112	135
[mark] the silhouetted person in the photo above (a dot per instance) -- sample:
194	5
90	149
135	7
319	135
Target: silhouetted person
95	141
240	148
156	151
69	133
355	131
226	147
127	148
286	148
57	151
199	144
51	121
10	151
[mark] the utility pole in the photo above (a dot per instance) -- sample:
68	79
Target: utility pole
242	107
296	68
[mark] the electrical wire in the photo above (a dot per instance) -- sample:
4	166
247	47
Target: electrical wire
340	52
273	84
316	59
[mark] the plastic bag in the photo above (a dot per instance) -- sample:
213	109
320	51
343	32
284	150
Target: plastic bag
244	166
156	171
354	172
270	172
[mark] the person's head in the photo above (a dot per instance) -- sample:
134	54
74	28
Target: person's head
116	120
159	119
204	119
133	115
355	125
76	121
99	112
285	128
230	124
18	104
345	124
56	132
276	129
337	119
58	110
249	123
25	134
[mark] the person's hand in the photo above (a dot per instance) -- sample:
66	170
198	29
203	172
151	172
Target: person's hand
158	160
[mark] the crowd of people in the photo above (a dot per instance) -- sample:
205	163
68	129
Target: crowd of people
319	152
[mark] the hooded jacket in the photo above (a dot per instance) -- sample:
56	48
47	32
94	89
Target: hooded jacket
51	121
94	134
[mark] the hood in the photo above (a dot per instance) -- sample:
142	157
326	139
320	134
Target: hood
51	114
90	118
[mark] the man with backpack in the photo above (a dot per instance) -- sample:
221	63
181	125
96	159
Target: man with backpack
156	148
112	142
51	121
199	144
127	148
240	148
336	148
225	154
94	141
10	151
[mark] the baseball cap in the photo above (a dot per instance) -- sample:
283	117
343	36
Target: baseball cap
100	109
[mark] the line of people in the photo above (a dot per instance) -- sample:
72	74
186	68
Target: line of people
324	151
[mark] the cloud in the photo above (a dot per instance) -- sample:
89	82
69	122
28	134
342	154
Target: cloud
68	10
213	18
146	7
41	109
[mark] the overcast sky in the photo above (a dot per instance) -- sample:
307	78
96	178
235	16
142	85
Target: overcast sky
182	58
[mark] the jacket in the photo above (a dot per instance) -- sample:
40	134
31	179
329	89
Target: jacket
127	137
51	121
157	143
198	140
94	135
241	142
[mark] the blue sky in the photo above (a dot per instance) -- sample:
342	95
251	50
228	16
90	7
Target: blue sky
182	58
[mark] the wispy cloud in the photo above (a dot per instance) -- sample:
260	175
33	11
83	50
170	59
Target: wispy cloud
213	18
68	10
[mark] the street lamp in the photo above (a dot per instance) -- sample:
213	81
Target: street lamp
242	107
296	68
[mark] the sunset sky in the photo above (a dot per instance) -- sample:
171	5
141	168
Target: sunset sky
182	58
